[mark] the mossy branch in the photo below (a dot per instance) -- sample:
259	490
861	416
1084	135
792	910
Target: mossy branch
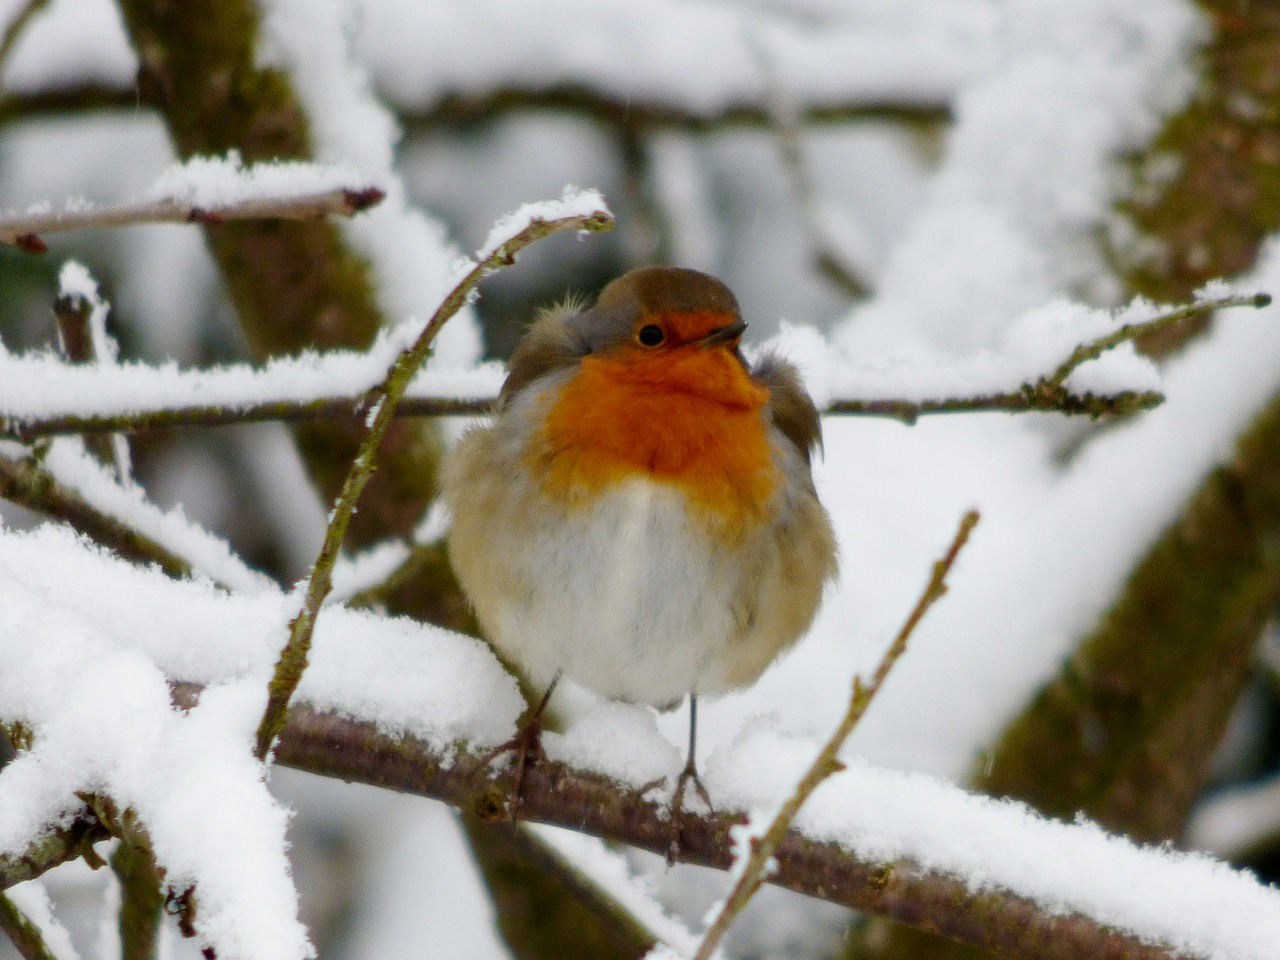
25	935
381	405
763	848
55	847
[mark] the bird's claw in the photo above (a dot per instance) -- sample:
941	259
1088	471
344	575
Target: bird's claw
527	747
677	808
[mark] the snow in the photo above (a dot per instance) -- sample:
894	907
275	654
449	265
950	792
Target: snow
572	203
97	700
67	462
609	871
700	56
592	743
211	183
38	385
1192	903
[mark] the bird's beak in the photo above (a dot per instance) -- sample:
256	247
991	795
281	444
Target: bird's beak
725	334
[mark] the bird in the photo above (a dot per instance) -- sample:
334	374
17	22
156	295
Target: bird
639	515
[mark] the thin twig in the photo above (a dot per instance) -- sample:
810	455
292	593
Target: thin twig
381	406
26	936
9	40
1132	331
459	108
24	230
73	314
827	762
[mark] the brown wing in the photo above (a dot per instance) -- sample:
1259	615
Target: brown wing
790	407
551	344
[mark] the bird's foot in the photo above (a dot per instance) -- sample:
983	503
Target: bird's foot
689	773
527	747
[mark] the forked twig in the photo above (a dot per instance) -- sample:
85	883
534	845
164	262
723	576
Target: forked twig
754	872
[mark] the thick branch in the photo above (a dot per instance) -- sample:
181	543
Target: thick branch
552	793
24	230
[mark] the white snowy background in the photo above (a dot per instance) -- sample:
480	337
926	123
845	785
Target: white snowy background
982	252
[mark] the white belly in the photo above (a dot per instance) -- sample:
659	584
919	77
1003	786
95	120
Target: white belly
623	597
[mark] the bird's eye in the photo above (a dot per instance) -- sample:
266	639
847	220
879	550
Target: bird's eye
651	335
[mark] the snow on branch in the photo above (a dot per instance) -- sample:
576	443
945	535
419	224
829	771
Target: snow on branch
66	482
210	191
902	846
412	707
41	396
102	740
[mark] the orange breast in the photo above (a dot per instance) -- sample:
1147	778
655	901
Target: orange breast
689	417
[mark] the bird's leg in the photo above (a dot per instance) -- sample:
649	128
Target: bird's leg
526	745
690	772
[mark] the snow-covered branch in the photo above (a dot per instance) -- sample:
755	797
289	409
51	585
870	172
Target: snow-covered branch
26	482
208	191
992	913
40	396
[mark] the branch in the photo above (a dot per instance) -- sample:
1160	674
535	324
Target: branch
381	405
462	109
827	762
553	793
142	897
9	40
1048	394
23	230
52	849
26	935
26	483
1132	331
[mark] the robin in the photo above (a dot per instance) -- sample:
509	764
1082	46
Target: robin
640	514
